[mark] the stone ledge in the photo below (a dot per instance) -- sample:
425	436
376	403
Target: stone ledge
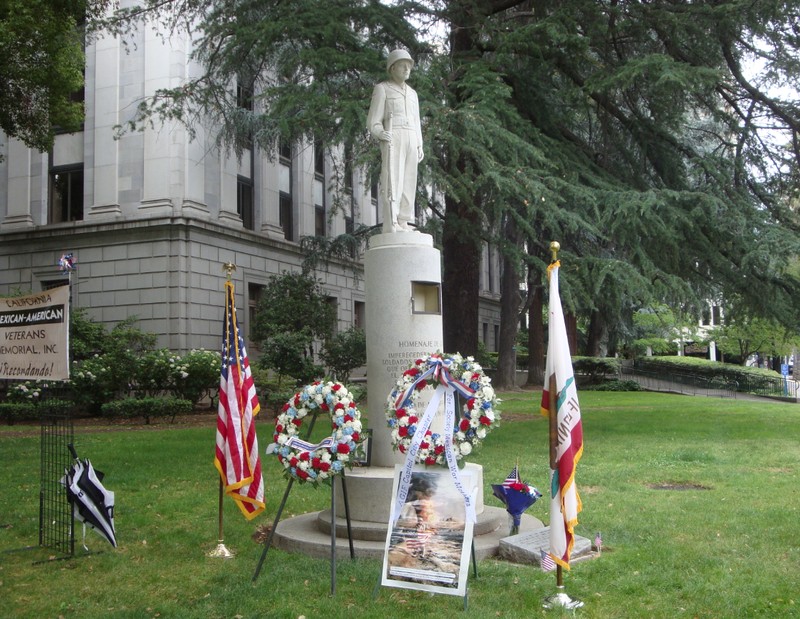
304	534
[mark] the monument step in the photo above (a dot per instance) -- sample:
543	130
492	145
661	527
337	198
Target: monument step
490	519
305	534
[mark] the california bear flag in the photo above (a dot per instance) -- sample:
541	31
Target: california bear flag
565	504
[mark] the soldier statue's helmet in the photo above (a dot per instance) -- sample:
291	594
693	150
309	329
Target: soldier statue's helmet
398	54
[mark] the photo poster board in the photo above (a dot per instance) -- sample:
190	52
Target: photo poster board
428	549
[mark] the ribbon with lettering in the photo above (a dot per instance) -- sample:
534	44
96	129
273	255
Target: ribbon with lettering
296	442
421	430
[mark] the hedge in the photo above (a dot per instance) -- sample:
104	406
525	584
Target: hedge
746	379
148	408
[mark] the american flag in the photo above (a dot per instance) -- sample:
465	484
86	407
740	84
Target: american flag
419	542
236	457
548	565
512	477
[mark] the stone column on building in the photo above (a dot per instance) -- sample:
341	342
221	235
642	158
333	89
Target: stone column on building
104	170
157	198
18	158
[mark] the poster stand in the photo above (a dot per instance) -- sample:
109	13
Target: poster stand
429	540
275	522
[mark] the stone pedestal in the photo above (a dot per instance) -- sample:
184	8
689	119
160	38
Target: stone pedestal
403	323
403	279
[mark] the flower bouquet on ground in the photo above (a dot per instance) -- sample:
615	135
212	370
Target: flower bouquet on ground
517	496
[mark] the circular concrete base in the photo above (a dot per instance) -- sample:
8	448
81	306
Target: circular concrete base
310	534
369	491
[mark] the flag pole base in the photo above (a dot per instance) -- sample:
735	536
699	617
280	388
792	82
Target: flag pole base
561	600
221	552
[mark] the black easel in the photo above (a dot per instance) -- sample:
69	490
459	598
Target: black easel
268	543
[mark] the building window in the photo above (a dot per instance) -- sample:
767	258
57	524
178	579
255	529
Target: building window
286	216
244	201
254	293
348	168
490	269
334	303
359	315
496	337
285	151
320	215
373	195
716	316
319	159
66	194
244	96
244	101
319	220
285	188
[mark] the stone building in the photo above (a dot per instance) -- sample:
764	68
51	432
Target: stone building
151	216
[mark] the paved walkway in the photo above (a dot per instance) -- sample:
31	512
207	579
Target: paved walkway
650	383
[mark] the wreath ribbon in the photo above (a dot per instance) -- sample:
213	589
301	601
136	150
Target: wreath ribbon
440	371
422	428
296	441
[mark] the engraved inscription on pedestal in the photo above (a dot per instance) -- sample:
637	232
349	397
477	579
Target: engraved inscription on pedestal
407	351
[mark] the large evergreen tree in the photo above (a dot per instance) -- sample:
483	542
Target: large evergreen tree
639	135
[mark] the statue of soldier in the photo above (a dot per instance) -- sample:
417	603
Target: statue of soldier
393	120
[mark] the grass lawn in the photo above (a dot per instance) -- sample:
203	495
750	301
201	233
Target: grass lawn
696	499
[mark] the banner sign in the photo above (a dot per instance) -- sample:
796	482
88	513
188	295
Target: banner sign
34	336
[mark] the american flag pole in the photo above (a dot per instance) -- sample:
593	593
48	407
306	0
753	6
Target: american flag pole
222	551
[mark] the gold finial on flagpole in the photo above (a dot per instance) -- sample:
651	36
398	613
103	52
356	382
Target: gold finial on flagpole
229	268
554	247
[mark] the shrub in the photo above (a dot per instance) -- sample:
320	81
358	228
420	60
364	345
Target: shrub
727	375
29	391
153	374
595	369
148	407
11	412
196	374
615	385
92	383
344	352
273	390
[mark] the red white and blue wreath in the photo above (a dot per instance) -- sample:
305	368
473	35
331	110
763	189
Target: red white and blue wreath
454	379
477	416
318	462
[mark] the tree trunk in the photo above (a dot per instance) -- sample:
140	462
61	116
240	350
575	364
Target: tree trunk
597	333
510	302
461	255
571	322
461	242
536	335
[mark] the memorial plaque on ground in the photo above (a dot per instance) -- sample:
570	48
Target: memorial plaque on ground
527	547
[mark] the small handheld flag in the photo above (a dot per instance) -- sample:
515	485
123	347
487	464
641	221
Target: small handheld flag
548	565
